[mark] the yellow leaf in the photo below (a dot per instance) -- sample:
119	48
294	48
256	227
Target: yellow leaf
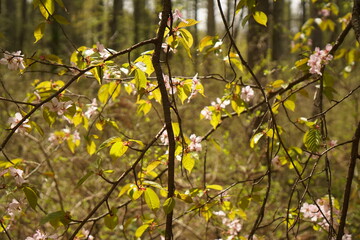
260	17
39	32
289	104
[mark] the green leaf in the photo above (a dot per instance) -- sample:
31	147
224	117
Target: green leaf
255	139
103	93
152	199
118	149
135	193
55	218
187	37
189	22
290	104
109	142
111	221
91	147
205	42
188	162
114	90
260	17
84	178
176	128
31	196
60	19
140	231
140	79
47	8
169	205
97	72
312	139
39	32
215	187
50	117
61	3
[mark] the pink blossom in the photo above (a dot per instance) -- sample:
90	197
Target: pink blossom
195	145
194	91
175	16
15	120
164	138
41	236
319	58
92	108
324	12
14	60
13	208
104	52
346	237
333	143
59	107
171	85
18	175
276	161
247	93
206	113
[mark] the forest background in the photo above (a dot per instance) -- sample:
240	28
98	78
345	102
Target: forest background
243	125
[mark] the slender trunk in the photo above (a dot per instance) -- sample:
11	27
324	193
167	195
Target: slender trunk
257	37
277	30
211	28
115	28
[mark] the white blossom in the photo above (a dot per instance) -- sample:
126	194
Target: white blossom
15	120
14	60
92	108
18	175
13	208
206	113
220	104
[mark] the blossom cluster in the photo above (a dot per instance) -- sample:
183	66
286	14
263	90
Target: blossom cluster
319	58
234	226
14	60
171	85
247	93
57	106
16	173
195	144
58	137
320	213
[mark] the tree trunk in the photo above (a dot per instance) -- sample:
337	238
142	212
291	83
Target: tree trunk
115	28
278	38
257	37
211	27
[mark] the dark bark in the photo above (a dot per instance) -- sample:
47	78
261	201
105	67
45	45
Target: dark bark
354	156
317	35
115	27
278	44
356	19
211	27
23	24
166	105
